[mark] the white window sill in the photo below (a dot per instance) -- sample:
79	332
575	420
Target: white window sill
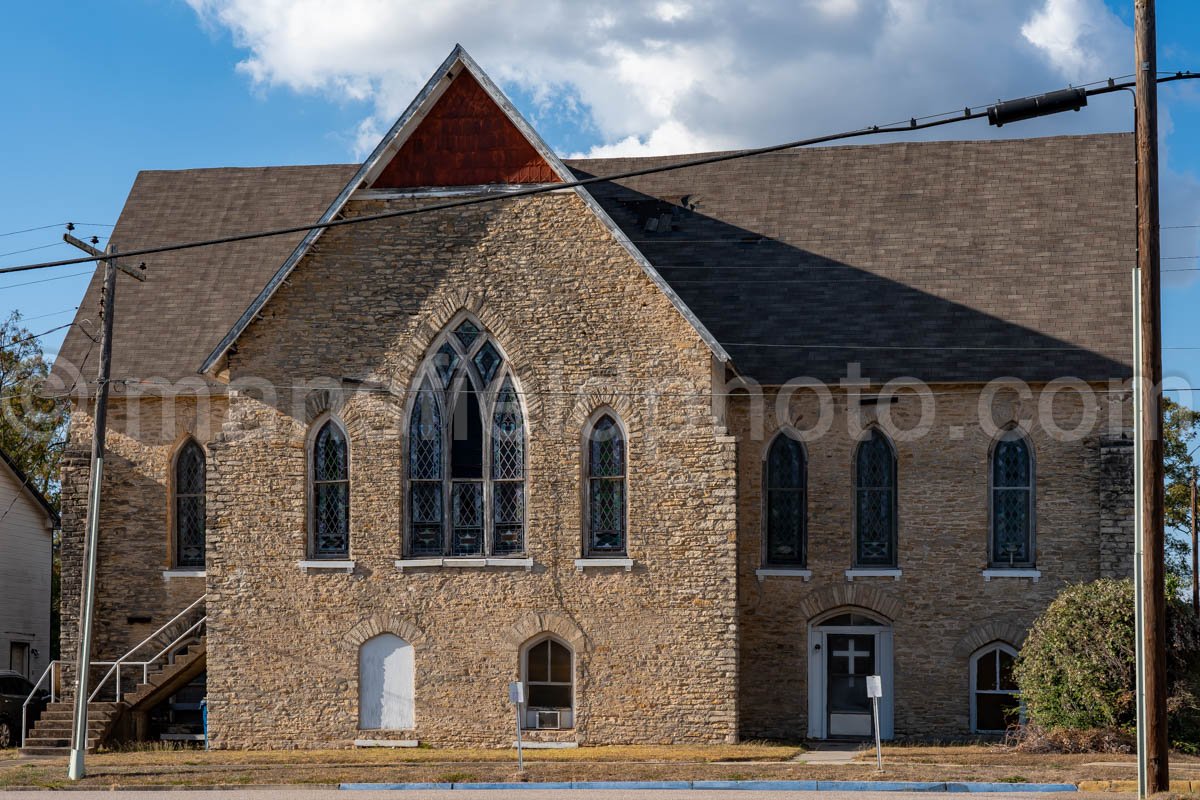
592	563
326	565
893	573
547	745
386	743
1032	574
465	563
783	572
168	574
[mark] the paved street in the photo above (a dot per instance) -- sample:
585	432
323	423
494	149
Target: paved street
290	792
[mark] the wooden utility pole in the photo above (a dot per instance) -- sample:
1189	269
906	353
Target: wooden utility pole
87	598
1149	366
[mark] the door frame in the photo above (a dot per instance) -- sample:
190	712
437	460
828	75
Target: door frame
818	717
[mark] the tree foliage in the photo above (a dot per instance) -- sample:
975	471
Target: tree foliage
32	426
1179	426
1076	669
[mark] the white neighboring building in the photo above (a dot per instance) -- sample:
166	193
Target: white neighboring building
27	524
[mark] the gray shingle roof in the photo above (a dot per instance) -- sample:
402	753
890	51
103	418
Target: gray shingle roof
166	326
947	261
916	259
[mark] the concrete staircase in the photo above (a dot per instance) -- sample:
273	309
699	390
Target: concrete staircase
51	736
125	719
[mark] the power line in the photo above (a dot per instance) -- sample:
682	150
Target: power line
47	280
58	225
912	125
51	314
30	230
30	249
31	337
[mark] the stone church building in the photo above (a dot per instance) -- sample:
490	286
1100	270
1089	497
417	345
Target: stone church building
690	453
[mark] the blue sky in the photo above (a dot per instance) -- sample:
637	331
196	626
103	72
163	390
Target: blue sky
95	92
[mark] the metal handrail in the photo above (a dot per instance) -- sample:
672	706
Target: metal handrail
145	665
51	671
127	660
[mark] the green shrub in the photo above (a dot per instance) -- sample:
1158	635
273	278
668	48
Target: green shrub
1076	669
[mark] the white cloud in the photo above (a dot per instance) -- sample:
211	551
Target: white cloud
688	75
1076	36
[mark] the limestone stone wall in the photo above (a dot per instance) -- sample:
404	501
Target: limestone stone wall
133	598
941	607
1116	506
583	327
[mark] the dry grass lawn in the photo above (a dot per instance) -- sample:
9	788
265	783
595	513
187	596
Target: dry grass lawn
166	767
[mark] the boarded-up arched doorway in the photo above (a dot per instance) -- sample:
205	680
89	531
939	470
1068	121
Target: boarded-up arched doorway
385	684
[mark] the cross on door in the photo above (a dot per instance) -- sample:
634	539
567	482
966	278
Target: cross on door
852	654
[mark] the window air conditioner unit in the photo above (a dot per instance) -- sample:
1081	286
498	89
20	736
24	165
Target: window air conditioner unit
548	719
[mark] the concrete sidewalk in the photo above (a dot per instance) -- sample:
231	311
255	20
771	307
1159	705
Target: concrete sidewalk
832	753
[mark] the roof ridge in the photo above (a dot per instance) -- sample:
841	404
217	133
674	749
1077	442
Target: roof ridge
245	168
855	146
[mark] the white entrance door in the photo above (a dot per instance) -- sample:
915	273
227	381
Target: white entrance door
843	650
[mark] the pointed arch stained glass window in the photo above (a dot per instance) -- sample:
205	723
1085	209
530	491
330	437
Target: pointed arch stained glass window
875	502
190	502
331	493
466	454
606	488
786	489
1012	502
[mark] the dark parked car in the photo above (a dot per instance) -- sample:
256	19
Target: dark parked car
14	691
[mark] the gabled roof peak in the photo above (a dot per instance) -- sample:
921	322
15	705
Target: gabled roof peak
520	149
461	130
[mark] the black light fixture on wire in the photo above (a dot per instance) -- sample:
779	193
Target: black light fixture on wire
1037	106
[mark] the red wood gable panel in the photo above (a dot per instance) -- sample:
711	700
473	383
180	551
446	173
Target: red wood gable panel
465	140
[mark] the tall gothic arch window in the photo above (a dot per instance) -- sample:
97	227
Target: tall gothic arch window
466	451
190	516
1012	501
606	488
330	471
786	511
875	506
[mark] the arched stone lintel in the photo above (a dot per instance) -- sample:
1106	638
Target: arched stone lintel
376	624
587	404
850	594
549	622
988	632
320	401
